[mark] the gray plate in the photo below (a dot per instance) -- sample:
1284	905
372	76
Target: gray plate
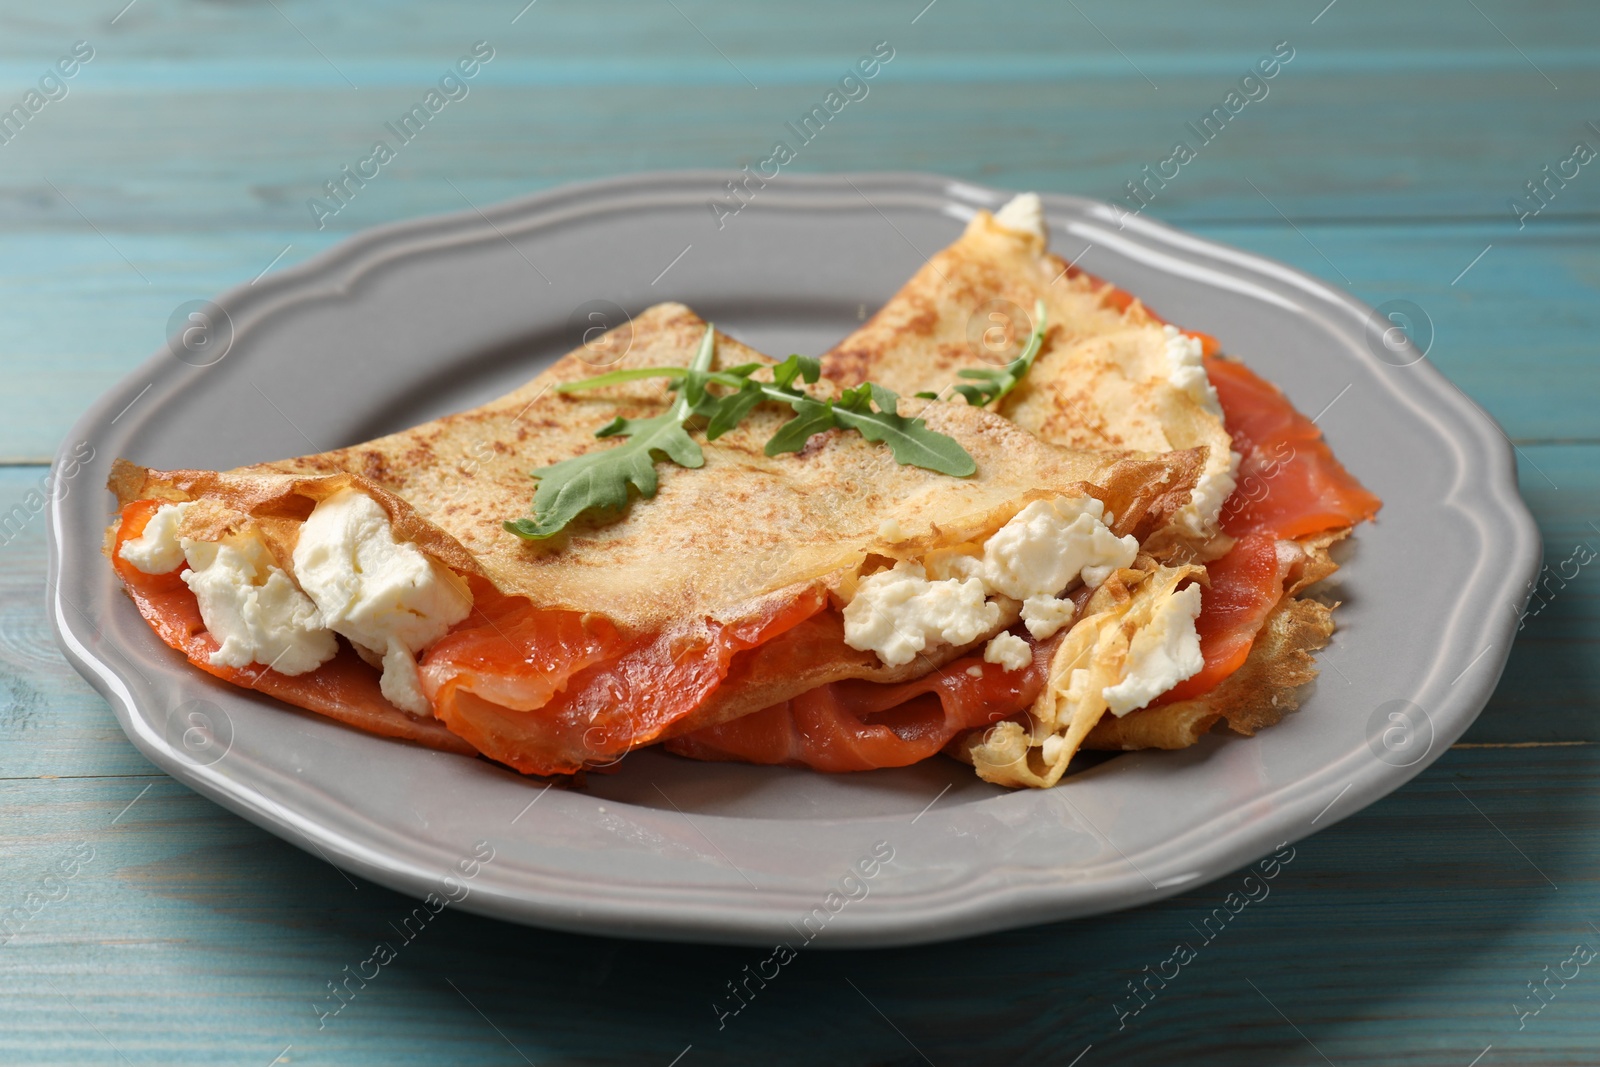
411	321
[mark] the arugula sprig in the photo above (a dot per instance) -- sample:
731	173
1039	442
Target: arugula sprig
600	480
869	409
992	383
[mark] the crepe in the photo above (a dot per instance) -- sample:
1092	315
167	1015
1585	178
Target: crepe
1107	377
1113	375
626	629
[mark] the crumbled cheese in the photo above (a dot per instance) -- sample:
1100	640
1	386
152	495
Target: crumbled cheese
386	596
1009	651
974	672
1048	546
252	607
381	593
1163	653
1186	369
897	612
156	550
1199	516
947	563
1093	576
891	531
1045	548
1023	213
400	683
1044	615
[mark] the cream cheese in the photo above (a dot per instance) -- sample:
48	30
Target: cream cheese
1044	550
1023	213
354	578
898	612
1009	651
1163	653
1047	548
1048	545
384	594
252	607
156	550
1044	615
1204	509
1186	369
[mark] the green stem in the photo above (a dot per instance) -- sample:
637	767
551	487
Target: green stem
702	364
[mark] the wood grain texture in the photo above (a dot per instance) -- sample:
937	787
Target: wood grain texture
1403	934
1383	159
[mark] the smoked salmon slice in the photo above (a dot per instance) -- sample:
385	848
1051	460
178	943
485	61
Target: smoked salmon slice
595	697
859	725
1289	486
1245	585
1289	481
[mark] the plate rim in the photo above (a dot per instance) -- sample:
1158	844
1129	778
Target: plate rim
630	910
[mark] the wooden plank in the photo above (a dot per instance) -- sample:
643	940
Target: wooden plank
1423	33
1551	688
220	156
58	359
1515	332
51	722
241	132
190	936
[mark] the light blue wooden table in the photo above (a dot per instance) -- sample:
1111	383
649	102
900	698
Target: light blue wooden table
149	926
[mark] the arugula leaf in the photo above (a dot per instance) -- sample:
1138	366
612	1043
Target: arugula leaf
811	417
729	411
617	377
599	481
996	382
887	400
910	440
807	368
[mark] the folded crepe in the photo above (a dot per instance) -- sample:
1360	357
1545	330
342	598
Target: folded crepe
1269	502
1112	376
377	585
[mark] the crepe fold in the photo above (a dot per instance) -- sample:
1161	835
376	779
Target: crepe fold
1105	378
719	596
1112	374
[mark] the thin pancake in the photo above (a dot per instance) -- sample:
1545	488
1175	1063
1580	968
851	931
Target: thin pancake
616	633
1104	380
